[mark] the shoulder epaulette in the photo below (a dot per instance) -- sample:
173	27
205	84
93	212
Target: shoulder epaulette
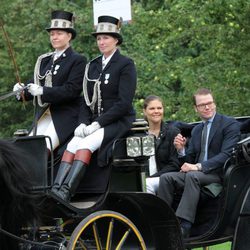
46	55
95	58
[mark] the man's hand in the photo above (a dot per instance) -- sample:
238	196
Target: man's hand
79	131
18	86
91	128
180	142
35	89
186	167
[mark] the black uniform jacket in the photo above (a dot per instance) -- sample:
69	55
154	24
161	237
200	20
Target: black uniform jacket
166	156
64	95
117	93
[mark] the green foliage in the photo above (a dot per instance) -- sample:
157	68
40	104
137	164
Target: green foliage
189	44
25	27
177	46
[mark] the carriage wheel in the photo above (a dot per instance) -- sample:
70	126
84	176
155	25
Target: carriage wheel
106	230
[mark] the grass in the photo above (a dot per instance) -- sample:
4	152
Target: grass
224	246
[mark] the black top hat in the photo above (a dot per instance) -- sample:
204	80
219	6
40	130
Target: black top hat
62	20
109	25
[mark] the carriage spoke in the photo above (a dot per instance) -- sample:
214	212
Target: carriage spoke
107	230
83	245
110	233
97	237
124	237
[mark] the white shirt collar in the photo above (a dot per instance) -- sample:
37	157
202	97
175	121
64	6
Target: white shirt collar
106	60
58	53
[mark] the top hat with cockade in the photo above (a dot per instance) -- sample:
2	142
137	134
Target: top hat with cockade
62	20
109	25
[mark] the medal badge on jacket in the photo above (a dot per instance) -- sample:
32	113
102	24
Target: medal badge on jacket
56	69
106	81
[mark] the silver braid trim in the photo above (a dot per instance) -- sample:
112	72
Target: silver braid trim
37	78
96	91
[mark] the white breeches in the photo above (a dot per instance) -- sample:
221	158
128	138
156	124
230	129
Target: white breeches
91	142
152	185
45	126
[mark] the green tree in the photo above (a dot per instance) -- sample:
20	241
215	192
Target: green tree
177	46
189	44
25	27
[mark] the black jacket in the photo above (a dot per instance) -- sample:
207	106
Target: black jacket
165	153
64	95
117	112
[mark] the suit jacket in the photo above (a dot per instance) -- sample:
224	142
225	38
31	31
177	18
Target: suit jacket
166	156
117	93
223	136
64	95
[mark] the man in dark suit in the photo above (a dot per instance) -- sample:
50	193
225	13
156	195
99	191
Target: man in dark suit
210	145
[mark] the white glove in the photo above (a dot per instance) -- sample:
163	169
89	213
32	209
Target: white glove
35	89
18	86
79	130
91	128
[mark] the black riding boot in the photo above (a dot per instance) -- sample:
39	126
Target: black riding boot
61	175
72	181
67	160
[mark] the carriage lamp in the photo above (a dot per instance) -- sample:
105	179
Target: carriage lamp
148	145
133	146
140	146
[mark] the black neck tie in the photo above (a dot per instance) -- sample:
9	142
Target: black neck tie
203	142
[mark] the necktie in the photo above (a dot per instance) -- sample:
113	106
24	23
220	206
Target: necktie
104	62
203	142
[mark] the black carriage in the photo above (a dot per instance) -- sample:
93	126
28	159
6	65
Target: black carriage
118	214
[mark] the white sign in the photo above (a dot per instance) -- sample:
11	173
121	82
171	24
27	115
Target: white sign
115	8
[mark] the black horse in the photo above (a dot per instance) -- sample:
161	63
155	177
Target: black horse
18	206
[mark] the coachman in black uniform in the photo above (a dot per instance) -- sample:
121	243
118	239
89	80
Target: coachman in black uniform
57	83
106	112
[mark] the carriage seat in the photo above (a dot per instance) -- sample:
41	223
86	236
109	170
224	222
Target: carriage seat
130	159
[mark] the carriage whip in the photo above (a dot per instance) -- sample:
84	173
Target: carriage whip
12	56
